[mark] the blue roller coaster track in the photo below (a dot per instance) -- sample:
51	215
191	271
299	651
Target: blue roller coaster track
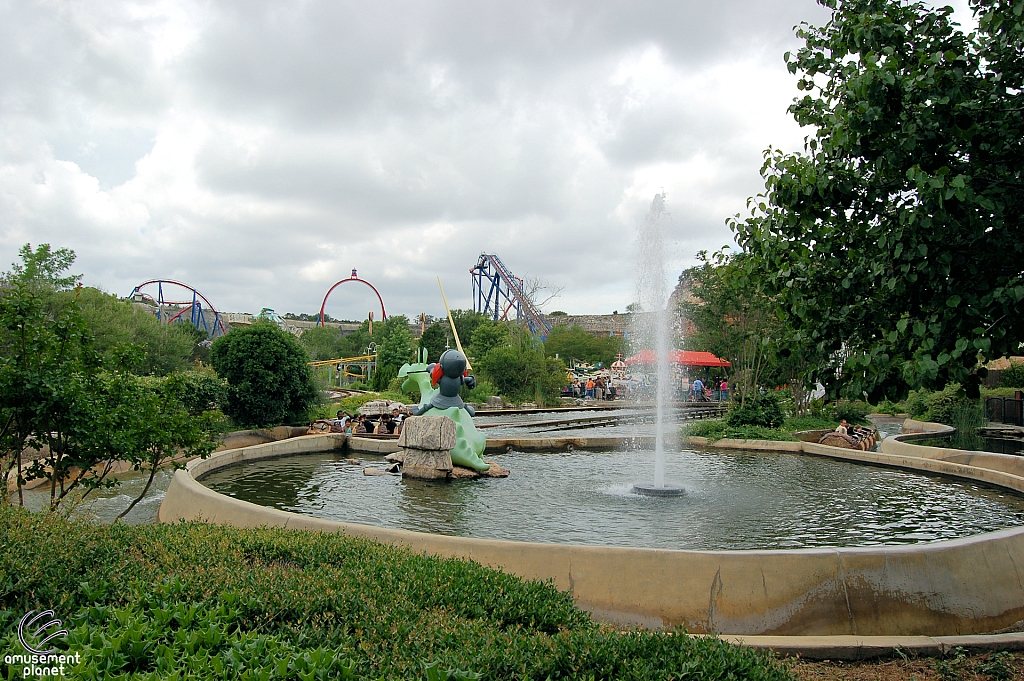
498	293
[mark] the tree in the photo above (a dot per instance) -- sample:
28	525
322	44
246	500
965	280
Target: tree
45	267
466	322
115	323
892	244
487	335
132	419
323	342
46	369
56	400
268	375
520	370
394	348
730	317
435	339
575	342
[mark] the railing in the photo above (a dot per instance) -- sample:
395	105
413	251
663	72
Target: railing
1009	410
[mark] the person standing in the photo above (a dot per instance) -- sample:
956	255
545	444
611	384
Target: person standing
698	389
724	389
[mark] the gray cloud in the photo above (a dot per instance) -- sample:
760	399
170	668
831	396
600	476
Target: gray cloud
261	150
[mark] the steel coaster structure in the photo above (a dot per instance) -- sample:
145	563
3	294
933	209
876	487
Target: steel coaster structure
354	277
497	292
194	306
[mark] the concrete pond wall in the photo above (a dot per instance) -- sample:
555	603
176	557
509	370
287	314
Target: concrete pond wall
948	588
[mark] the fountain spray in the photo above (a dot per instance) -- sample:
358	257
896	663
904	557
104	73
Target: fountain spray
651	330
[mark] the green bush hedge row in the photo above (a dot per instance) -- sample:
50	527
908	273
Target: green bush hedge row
207	602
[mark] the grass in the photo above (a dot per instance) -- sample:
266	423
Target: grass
718	429
196	601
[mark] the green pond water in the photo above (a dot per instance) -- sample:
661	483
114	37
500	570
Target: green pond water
734	500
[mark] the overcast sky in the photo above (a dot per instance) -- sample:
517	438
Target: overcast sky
261	150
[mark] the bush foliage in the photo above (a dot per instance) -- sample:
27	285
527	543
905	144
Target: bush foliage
268	375
196	601
758	410
1012	377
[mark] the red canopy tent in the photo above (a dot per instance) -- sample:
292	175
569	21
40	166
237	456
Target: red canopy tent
687	358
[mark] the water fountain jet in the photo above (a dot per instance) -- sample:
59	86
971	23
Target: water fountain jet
652	294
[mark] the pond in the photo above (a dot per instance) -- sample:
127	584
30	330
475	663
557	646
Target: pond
734	500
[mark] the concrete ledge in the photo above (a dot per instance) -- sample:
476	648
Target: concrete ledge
961	587
868	647
901	445
757	445
367	445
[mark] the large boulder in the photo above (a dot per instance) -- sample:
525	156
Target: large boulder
429	433
425	447
427	464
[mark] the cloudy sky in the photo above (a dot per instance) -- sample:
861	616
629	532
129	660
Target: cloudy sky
261	150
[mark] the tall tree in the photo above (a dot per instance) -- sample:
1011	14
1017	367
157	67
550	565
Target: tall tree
575	342
731	318
893	242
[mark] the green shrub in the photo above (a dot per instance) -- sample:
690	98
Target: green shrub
481	393
917	403
854	411
888	407
758	410
821	409
1012	377
268	375
383	377
810	423
199	601
198	390
943	403
715	430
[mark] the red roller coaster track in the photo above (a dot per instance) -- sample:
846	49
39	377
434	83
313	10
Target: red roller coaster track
354	277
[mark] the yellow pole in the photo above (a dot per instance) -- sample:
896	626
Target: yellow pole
451	321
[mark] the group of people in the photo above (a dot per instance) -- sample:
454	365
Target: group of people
360	424
591	388
698	391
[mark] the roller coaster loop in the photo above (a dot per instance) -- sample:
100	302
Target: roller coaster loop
194	307
354	277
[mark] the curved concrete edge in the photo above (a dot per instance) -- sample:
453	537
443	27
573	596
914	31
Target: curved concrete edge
367	445
964	586
869	647
902	445
758	445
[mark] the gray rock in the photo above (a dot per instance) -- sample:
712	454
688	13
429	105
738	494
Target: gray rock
431	433
426	464
395	457
375	471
